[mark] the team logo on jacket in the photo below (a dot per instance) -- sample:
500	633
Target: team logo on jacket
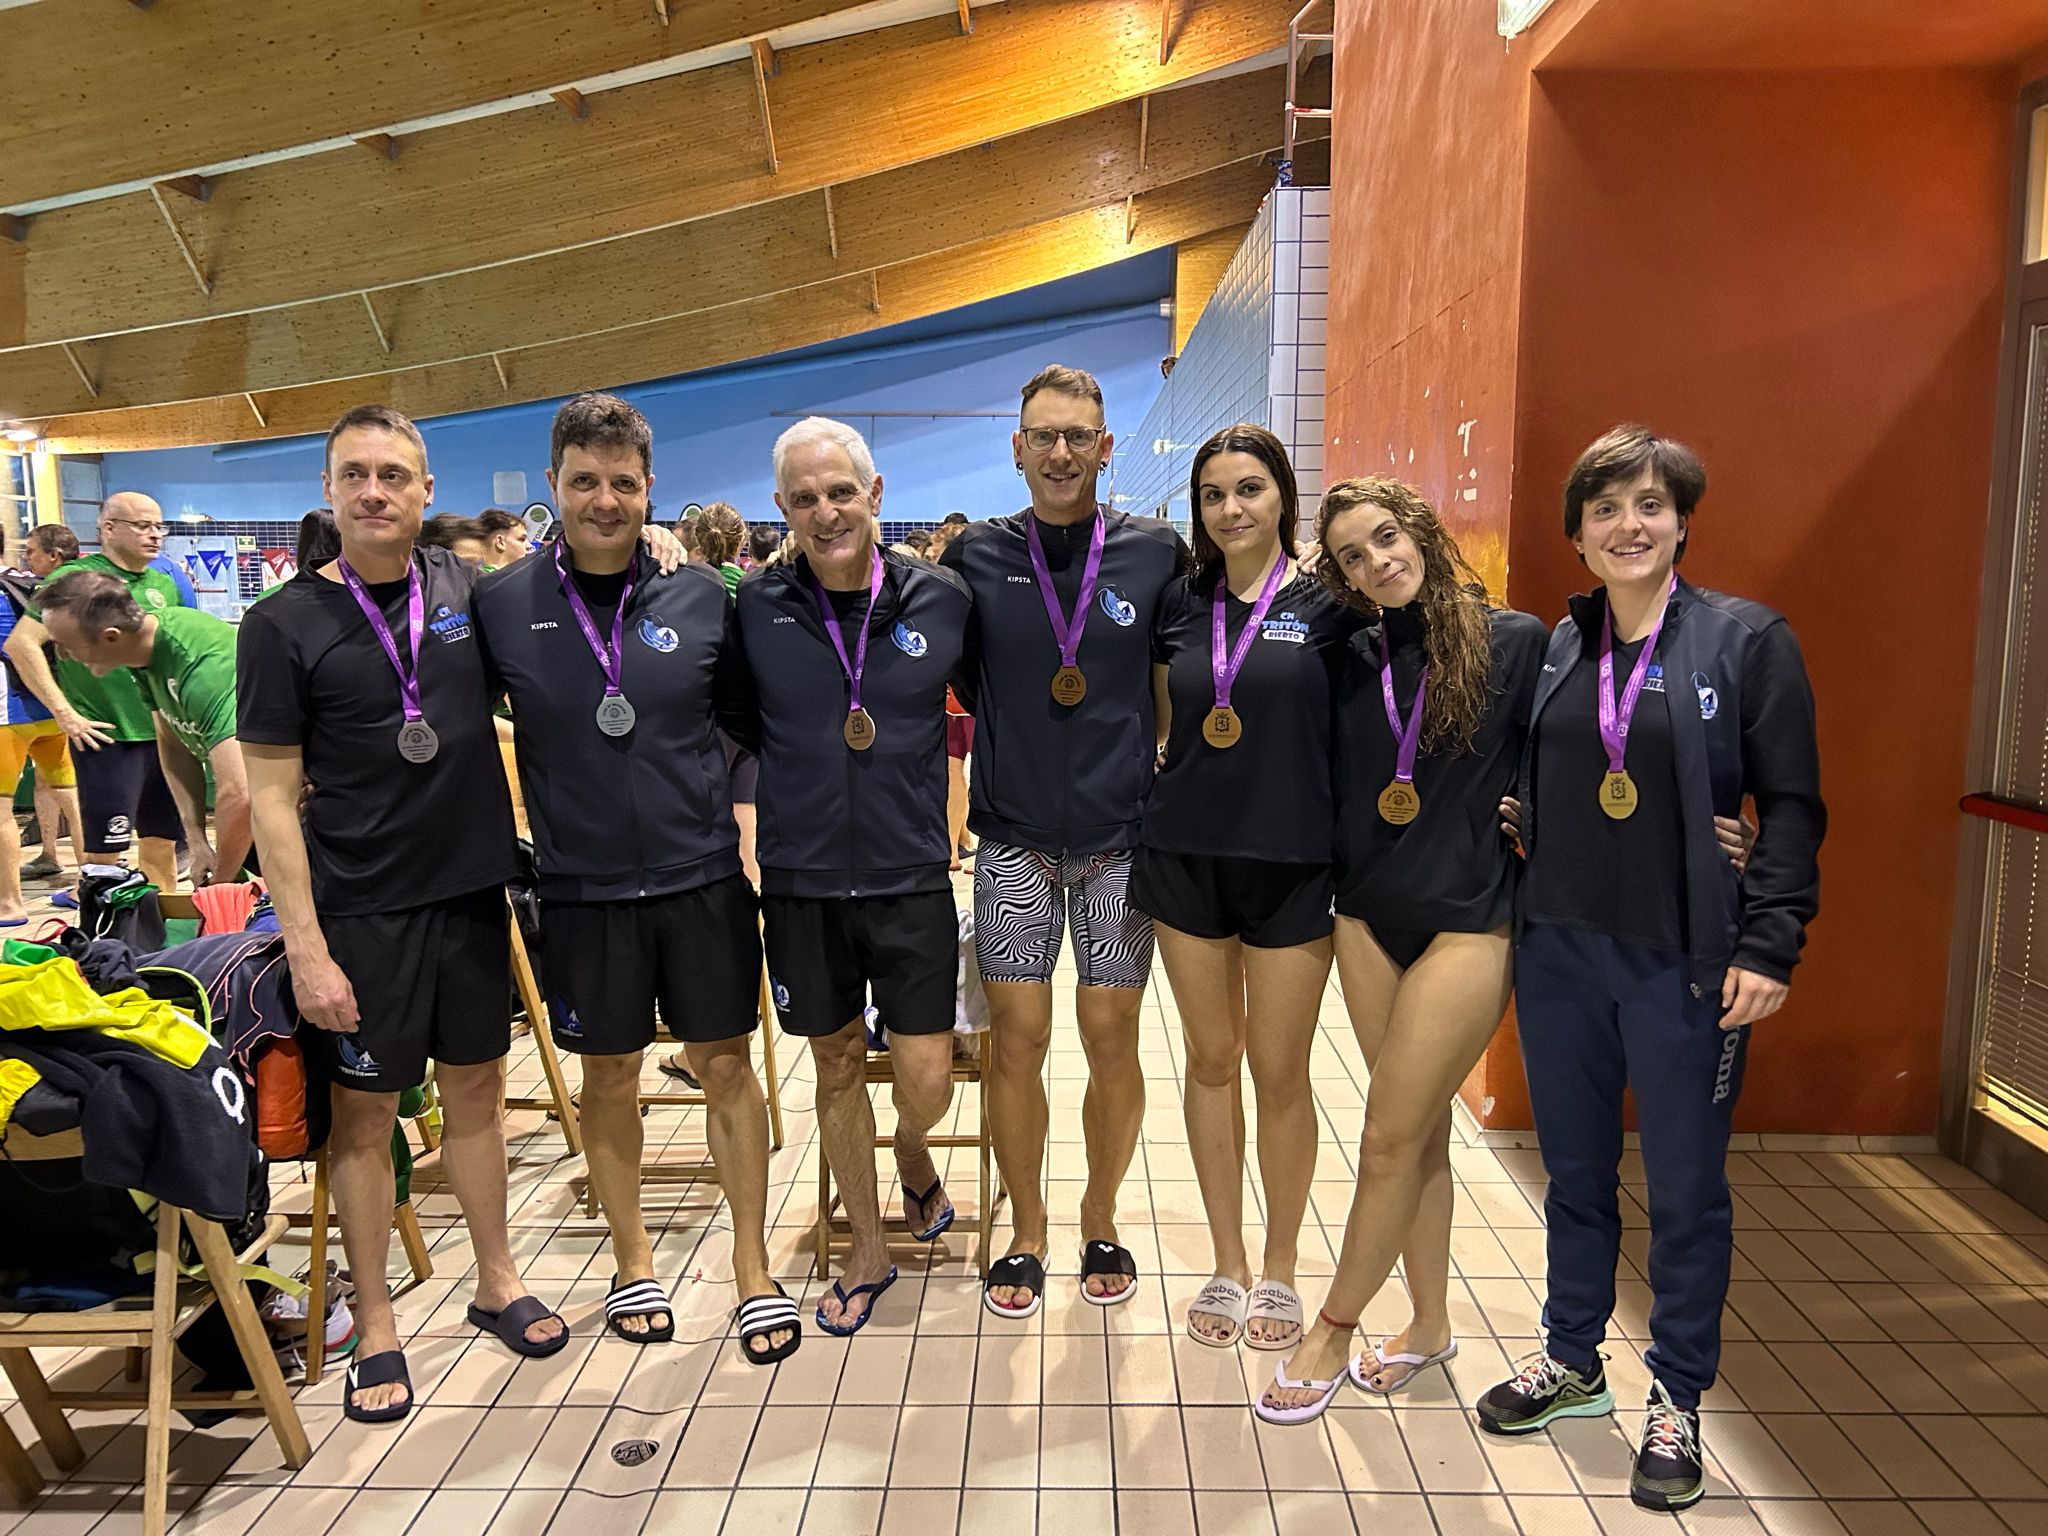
449	625
1287	629
1121	613
171	687
1653	680
1710	701
779	992
657	636
908	641
353	1059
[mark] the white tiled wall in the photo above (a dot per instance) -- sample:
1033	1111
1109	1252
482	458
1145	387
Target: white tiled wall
1255	355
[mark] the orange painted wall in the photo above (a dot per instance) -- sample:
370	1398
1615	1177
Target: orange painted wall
1802	276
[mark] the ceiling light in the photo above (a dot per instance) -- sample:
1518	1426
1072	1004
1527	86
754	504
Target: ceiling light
21	434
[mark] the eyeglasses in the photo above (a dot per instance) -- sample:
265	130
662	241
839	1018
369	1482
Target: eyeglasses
1045	439
122	522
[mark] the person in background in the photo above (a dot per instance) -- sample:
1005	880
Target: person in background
762	542
505	537
959	726
186	662
721	535
121	789
686	531
918	542
34	731
319	540
461	536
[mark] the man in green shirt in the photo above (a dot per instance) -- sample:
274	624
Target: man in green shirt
121	789
184	661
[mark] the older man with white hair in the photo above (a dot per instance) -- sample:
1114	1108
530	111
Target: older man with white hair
850	648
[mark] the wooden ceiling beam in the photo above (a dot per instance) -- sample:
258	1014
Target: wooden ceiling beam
665	152
573	102
764	62
178	235
823	312
383	145
876	221
299	70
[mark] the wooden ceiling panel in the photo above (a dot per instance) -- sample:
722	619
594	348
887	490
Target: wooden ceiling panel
122	94
882	220
522	183
822	312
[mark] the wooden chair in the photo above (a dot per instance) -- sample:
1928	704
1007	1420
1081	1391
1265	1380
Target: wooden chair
174	1304
559	1097
835	1232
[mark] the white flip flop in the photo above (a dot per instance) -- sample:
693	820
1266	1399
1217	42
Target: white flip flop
1221	1297
1362	1378
1274	1301
1307	1412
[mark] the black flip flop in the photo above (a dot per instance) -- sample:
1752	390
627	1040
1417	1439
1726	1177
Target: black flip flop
639	1298
670	1069
1106	1258
759	1316
1019	1269
511	1324
912	1198
376	1371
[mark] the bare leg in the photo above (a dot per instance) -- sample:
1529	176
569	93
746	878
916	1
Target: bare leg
1283	992
744	815
956	807
10	865
1020	1019
157	858
473	1154
923	1093
846	1128
1445	1008
736	1126
1207	977
359	1173
612	1141
1112	1112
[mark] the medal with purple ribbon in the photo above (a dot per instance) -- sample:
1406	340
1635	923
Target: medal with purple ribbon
615	714
1399	803
860	725
1069	687
1221	727
417	742
1617	789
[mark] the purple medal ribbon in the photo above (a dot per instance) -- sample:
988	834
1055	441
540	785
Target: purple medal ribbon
1409	735
1223	670
415	623
611	659
1066	632
859	663
1614	725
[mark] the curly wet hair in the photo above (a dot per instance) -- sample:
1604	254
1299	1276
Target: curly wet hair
1457	631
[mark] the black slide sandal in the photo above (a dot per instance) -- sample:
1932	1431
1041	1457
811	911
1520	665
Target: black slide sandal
759	1316
511	1324
1019	1269
1104	1258
639	1298
376	1371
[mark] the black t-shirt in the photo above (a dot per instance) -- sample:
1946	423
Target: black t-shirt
1267	797
601	594
1450	869
1066	554
382	834
1622	878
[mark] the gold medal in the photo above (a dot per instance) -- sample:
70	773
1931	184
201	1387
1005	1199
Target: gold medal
1069	687
860	730
1399	804
1618	795
1221	727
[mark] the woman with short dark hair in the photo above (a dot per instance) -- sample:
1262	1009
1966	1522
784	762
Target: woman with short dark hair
1641	958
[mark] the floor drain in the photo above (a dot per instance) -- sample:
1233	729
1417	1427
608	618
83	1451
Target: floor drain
632	1453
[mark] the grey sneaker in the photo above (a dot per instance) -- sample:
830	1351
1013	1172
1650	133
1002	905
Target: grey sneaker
1668	1474
1543	1388
41	867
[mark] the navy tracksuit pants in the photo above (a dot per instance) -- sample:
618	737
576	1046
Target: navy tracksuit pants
1598	1015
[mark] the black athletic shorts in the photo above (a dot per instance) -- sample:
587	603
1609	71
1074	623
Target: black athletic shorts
608	965
1263	903
827	955
432	981
122	795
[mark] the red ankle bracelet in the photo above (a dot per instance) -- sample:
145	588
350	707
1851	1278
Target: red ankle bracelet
1332	1322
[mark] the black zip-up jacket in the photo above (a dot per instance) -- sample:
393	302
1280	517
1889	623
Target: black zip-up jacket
835	822
1748	730
1047	777
616	818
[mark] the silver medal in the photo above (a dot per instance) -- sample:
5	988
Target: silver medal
417	742
615	715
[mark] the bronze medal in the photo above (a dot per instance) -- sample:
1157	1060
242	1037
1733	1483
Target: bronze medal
1618	795
860	730
1399	804
1221	728
1069	687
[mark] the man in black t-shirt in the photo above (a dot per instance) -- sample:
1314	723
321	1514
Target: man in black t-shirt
366	678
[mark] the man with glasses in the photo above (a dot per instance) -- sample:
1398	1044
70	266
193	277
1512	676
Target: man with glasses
122	792
1060	647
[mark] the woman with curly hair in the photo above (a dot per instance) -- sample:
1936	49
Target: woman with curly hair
1432	710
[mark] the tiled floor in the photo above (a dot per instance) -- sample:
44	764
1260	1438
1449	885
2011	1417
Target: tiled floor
1884	1372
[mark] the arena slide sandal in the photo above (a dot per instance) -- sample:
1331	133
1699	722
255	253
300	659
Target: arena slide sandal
511	1324
1020	1271
382	1370
1106	1258
759	1316
847	1298
915	1204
